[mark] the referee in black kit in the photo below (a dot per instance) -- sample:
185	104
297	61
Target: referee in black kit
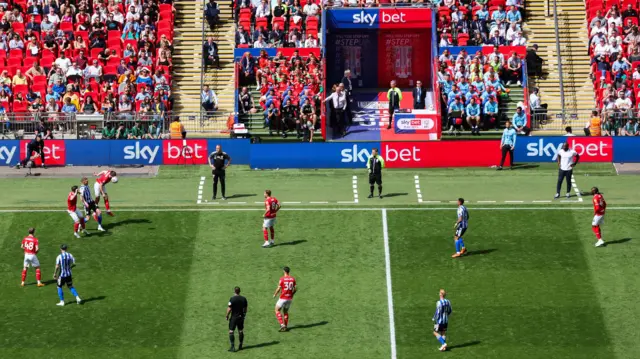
219	161
237	310
375	164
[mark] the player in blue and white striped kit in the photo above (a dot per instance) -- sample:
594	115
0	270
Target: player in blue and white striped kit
90	206
460	226
441	320
62	274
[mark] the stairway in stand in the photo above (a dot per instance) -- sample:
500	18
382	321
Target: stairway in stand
578	88
187	60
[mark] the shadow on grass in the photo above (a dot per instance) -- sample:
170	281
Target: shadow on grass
307	326
125	222
292	243
93	299
480	252
524	166
464	345
241	195
619	241
394	194
261	345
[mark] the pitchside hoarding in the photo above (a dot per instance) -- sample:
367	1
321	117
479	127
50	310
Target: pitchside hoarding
481	153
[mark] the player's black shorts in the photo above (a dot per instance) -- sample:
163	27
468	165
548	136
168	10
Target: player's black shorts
375	178
218	173
65	280
439	327
236	322
460	231
91	208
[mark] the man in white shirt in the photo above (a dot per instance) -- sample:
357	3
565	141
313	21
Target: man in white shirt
518	40
567	159
310	9
263	10
601	49
260	43
209	99
93	71
63	62
52	16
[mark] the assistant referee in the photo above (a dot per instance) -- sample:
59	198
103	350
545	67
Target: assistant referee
567	159
236	312
219	161
375	164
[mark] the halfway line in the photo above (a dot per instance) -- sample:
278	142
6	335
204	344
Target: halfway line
387	263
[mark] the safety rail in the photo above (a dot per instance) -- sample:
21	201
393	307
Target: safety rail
557	121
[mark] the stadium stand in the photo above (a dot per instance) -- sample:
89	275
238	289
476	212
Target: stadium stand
99	57
481	83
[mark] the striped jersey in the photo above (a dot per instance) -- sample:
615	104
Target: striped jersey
463	215
86	194
65	261
443	311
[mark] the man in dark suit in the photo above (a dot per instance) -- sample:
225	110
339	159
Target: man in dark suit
212	13
348	89
419	96
496	39
210	53
242	37
260	31
277	36
33	25
479	26
248	64
534	61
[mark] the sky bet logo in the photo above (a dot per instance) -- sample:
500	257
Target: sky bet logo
355	155
6	154
137	152
370	18
594	150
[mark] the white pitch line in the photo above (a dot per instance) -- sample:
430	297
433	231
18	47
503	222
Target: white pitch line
575	188
387	263
431	201
486	201
256	202
548	201
347	202
417	182
325	202
200	189
211	203
291	202
237	202
355	189
513	201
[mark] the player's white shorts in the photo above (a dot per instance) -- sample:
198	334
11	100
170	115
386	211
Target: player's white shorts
269	222
597	220
75	215
30	260
96	189
284	303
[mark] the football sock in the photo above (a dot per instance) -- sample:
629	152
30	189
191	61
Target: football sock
441	340
286	319
596	231
100	219
38	275
24	274
279	316
215	189
273	232
371	190
232	339
106	204
74	291
458	245
266	234
379	190
60	294
75	226
461	243
82	223
241	337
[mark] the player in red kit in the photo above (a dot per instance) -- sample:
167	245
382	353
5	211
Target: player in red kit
72	209
100	187
31	248
287	288
599	207
272	206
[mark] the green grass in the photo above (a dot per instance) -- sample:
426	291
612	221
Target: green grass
157	282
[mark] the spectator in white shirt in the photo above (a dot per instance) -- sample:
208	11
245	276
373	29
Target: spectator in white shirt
311	41
518	40
260	43
623	103
601	49
615	19
117	16
310	9
93	71
263	10
63	62
615	49
636	73
511	31
599	28
53	17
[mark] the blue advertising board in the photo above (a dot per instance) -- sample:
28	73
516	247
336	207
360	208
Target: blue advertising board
626	150
9	152
311	155
546	148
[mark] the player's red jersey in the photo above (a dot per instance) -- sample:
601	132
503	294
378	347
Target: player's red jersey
287	285
271	204
72	201
30	245
104	177
599	205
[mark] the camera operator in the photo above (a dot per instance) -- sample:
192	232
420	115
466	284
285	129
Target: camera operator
217	161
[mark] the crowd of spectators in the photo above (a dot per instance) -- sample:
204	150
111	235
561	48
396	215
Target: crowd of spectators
276	24
480	22
290	89
472	87
614	47
86	57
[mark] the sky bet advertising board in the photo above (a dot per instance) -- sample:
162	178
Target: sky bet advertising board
545	149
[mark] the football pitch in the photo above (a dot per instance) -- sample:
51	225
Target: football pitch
157	283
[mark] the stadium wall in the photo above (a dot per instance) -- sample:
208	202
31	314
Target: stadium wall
480	153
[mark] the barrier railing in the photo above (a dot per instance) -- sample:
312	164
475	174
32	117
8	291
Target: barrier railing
557	121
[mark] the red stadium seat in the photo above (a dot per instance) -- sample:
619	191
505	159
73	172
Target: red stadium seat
95	52
66	26
114	43
84	34
39	79
114	34
261	21
29	61
293	25
279	21
168	7
46	62
312	21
